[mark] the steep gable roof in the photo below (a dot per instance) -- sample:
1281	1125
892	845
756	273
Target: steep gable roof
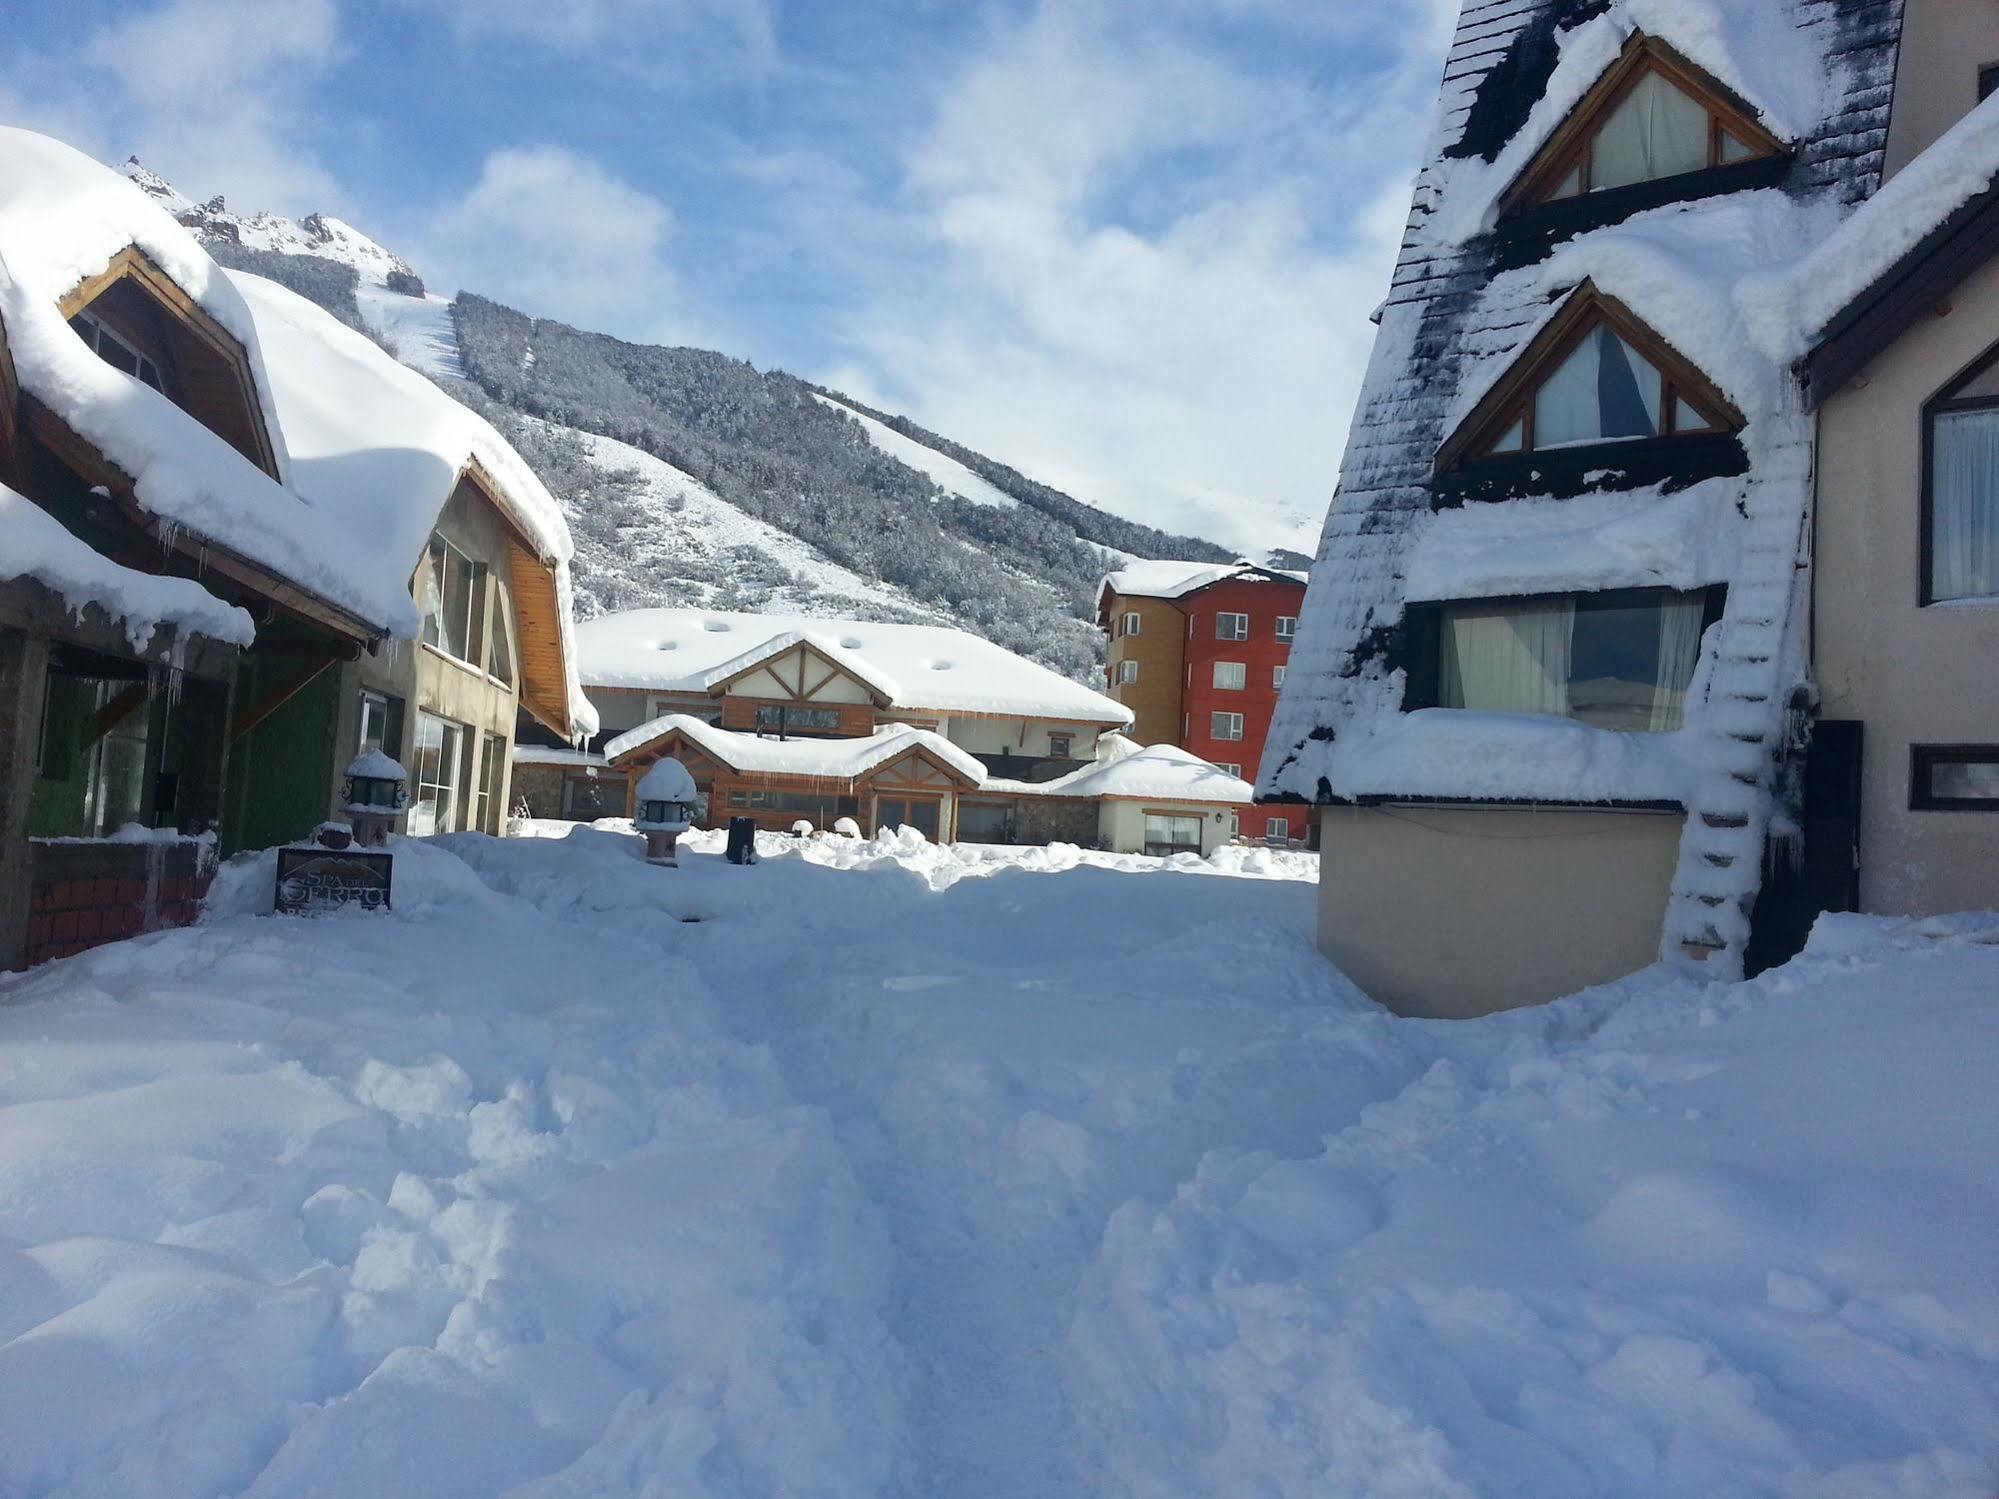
1469	295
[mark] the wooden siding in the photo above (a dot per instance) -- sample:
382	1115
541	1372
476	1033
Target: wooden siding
1159	648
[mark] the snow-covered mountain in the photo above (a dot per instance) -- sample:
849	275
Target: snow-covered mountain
689	477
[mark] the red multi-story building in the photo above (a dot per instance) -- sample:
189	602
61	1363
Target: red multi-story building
1198	652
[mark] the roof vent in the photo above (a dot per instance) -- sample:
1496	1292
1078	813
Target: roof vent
850	642
715	626
667	645
938	665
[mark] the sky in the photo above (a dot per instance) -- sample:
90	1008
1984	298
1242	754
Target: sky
1128	246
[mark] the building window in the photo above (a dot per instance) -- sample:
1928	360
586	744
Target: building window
492	775
381	726
782	718
1619	660
115	351
1131	623
1276	676
1061	746
115	788
1277	830
1127	672
1954	777
1167	834
1652	115
1594	375
440	772
1225	725
1988	80
1287	626
1230	676
454	607
1231	627
501	661
1231	767
1961	488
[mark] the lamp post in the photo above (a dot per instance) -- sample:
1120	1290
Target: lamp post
377	791
666	798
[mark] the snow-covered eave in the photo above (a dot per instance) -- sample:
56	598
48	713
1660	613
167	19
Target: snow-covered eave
34	545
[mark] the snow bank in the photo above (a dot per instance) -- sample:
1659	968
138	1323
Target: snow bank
925	668
33	544
1660	1240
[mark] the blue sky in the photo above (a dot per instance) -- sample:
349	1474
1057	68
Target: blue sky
1126	245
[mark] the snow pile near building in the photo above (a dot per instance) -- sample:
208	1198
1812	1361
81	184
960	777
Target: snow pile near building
1658	1240
572	1176
33	544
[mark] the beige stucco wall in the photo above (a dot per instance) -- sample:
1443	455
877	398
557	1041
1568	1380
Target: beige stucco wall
1911	675
1454	912
767	686
1944	44
1121	824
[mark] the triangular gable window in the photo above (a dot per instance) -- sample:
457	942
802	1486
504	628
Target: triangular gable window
1652	115
1594	375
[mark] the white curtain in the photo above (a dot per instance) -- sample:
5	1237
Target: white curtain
1508	660
1656	132
1964	505
1604	390
1679	648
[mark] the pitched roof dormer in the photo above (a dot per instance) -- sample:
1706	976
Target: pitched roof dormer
1594	375
1653	115
138	320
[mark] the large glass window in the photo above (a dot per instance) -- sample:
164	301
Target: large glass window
454	609
1287	626
1616	661
908	812
1231	627
1230	676
440	772
501	663
1167	834
115	793
1961	541
492	775
1127	673
1225	725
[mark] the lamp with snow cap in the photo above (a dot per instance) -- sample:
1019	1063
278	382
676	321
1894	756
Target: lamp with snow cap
377	791
666	798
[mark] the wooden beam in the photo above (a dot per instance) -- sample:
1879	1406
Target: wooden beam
115	712
288	687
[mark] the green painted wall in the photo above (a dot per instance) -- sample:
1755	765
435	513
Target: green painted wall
281	772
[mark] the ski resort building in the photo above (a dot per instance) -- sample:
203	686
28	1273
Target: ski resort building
227	533
1617	650
786	719
1198	652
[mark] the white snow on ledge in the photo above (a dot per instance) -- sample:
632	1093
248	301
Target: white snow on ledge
826	759
1453	753
34	544
1630	539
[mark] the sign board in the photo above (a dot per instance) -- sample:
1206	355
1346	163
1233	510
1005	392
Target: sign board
314	880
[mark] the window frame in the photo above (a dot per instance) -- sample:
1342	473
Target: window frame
1569	147
1923	760
454	734
1277	676
1277	827
1133	623
100	332
1238	669
1214	729
1222	614
1062	746
478	610
1943	403
1165	849
1512	396
1287	635
1127	672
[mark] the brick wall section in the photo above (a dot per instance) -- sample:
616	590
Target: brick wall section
83	895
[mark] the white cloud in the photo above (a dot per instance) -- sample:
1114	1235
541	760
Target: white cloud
556	235
1155	261
685	36
211	93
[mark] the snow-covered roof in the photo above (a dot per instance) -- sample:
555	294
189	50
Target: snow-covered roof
63	218
541	754
854	665
382	448
33	544
822	759
1713	276
1148	579
921	668
1160	772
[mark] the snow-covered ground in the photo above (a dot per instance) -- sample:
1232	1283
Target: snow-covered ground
946	472
883	1169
